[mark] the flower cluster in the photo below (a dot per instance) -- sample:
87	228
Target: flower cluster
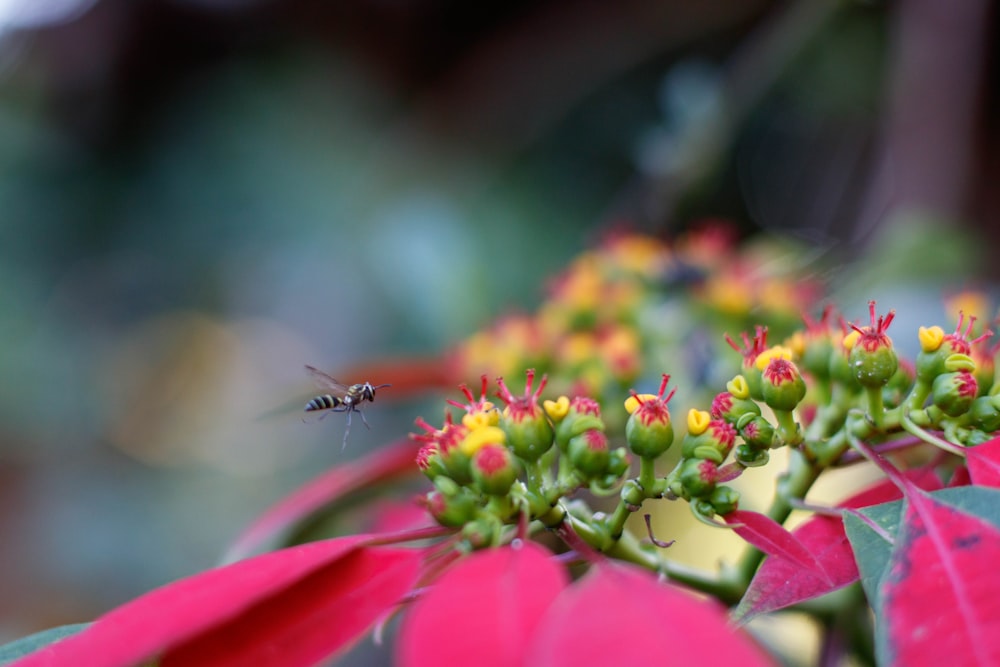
817	392
603	321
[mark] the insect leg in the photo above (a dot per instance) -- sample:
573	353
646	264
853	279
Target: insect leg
347	430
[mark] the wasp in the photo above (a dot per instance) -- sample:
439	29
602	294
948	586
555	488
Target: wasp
342	397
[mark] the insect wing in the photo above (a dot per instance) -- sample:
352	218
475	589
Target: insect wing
324	381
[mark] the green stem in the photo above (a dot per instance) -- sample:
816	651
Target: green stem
930	438
788	428
876	408
647	478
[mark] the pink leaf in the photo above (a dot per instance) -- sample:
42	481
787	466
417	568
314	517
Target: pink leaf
382	465
773	539
941	596
780	582
984	463
483	610
620	615
290	607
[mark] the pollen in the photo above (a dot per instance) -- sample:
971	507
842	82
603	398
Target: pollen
738	387
481	437
558	409
776	352
698	421
633	402
851	339
477	420
930	338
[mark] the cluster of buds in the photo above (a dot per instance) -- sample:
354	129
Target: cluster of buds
815	393
499	465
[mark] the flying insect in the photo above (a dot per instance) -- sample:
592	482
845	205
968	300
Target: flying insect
341	397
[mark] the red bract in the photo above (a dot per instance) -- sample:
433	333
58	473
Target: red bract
513	607
286	608
984	463
620	615
940	598
483	611
773	539
781	582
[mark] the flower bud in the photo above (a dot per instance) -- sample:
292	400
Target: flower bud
872	357
582	414
782	386
714	442
985	413
698	477
452	509
529	434
752	348
954	393
728	407
817	345
724	500
441	451
494	469
649	432
749	457
589	453
756	432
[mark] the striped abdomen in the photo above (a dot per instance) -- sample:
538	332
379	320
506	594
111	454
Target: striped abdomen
324	402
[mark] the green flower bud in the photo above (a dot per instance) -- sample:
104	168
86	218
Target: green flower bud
872	357
573	417
649	432
529	433
728	407
452	510
782	386
619	462
954	393
752	348
724	500
441	453
589	453
750	457
714	442
985	413
756	432
698	477
494	469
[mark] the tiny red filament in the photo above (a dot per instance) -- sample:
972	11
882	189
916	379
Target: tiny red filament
596	440
723	431
526	406
751	348
585	405
959	341
721	404
779	371
873	336
967	385
655	409
473	405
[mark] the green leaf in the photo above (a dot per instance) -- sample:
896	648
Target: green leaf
980	501
871	550
22	647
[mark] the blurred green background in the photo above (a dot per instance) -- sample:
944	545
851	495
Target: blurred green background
198	197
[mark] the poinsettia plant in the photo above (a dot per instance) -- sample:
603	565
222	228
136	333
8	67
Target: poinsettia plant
517	547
